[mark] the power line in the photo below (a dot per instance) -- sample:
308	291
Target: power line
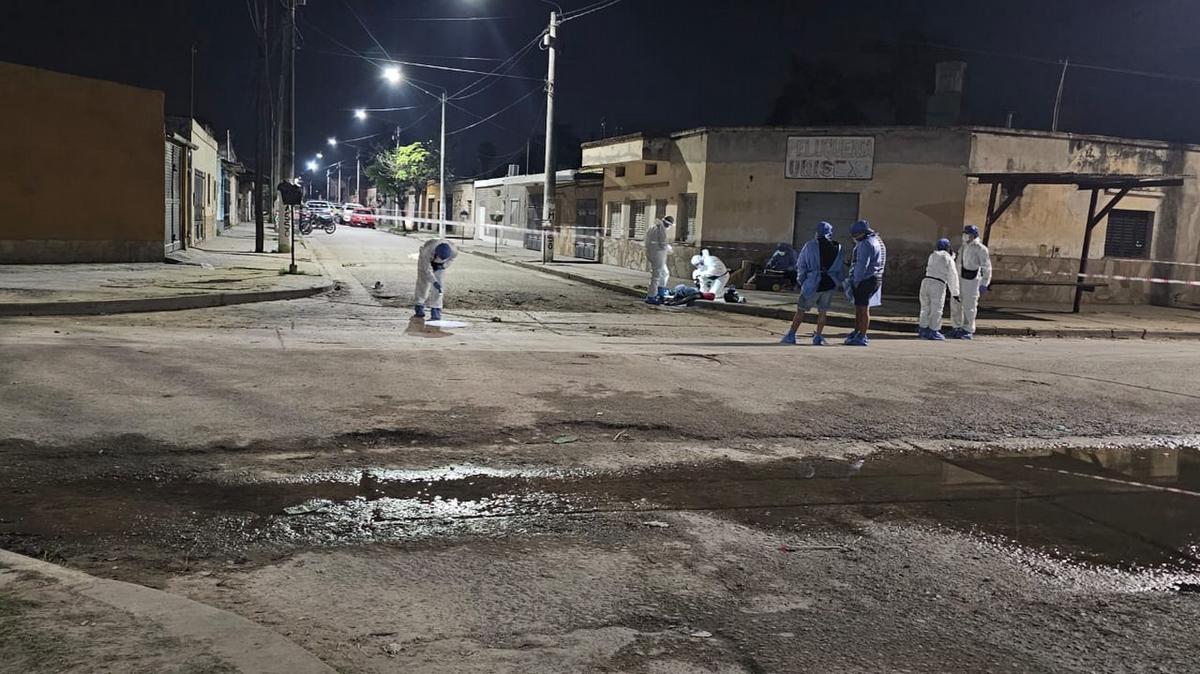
1073	64
364	27
454	18
596	7
511	60
494	114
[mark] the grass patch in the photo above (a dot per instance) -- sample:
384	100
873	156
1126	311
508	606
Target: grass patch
24	647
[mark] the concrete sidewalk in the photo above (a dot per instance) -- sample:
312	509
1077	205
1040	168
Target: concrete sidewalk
223	270
897	314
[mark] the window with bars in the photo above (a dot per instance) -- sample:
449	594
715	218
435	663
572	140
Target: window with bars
637	219
612	224
687	220
1128	234
651	169
619	171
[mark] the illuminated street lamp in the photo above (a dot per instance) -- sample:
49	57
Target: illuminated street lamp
392	74
312	166
360	114
320	156
332	141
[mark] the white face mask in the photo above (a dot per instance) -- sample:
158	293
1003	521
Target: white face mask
967	238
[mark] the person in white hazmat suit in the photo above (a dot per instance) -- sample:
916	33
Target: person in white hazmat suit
710	274
941	277
435	256
657	248
975	277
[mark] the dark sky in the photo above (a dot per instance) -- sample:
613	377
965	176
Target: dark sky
657	64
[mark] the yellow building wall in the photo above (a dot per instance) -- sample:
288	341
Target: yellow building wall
82	178
206	158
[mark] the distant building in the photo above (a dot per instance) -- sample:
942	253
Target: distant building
740	191
83	173
228	206
205	175
506	206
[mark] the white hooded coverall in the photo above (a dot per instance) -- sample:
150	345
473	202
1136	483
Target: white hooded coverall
940	275
427	294
972	258
657	248
711	274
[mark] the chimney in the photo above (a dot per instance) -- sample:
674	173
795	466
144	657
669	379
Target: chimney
945	105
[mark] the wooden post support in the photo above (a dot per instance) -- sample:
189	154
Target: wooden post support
991	213
1083	255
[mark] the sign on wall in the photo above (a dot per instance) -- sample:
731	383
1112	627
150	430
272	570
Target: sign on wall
830	157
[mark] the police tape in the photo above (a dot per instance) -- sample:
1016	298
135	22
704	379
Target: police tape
1120	277
485	228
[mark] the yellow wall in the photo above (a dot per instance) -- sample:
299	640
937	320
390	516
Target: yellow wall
82	178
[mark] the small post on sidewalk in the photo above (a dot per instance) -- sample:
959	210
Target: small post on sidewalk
291	216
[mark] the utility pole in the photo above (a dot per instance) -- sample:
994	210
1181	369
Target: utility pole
357	177
192	86
287	151
339	183
1062	79
550	41
262	125
442	181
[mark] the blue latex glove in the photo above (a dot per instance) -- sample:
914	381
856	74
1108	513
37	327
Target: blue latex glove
437	286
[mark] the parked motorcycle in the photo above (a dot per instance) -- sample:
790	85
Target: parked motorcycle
310	222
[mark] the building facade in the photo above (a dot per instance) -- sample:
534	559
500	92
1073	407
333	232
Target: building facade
509	211
82	178
741	191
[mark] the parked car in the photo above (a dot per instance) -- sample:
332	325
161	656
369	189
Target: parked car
362	217
316	208
346	211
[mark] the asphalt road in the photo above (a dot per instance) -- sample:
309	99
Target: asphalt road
577	482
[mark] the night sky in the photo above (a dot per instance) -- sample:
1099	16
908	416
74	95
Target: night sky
642	64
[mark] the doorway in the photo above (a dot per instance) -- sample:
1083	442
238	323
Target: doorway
839	209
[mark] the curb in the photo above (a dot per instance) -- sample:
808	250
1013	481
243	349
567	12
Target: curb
841	321
145	304
243	643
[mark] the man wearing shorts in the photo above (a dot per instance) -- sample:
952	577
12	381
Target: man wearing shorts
866	278
819	273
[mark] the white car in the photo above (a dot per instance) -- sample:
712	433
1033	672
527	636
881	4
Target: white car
347	210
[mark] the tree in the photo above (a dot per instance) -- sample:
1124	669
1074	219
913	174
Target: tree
396	172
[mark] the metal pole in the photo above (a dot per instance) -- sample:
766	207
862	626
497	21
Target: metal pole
260	143
1058	98
357	177
192	86
550	38
339	182
292	232
287	152
441	218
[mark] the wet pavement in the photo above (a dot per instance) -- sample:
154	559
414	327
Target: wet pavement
1136	509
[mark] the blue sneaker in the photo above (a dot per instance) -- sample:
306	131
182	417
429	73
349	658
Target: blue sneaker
859	340
850	337
419	311
789	338
935	336
963	334
953	333
435	314
922	333
819	340
653	299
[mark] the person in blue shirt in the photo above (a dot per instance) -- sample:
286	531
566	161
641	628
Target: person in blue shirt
865	284
819	271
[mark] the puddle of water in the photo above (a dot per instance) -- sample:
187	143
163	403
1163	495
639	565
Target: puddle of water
1130	508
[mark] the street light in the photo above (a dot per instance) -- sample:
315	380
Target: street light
312	166
332	141
392	75
320	156
360	114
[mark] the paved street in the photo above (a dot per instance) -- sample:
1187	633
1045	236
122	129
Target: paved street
578	482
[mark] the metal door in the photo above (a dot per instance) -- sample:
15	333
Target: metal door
587	230
173	234
533	222
199	194
839	209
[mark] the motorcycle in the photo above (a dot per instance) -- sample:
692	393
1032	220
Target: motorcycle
309	222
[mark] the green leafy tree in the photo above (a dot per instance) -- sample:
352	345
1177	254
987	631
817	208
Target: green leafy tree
398	171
